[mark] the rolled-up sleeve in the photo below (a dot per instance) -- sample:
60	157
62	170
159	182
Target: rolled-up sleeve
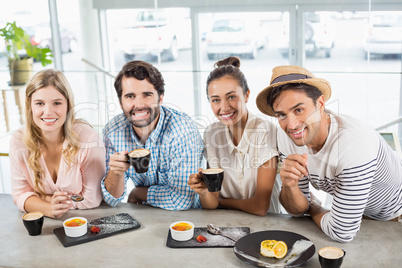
110	150
110	199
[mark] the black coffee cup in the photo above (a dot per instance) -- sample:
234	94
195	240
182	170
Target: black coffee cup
213	178
33	222
331	257
139	159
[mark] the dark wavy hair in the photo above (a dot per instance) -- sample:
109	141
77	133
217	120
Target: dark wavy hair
228	67
311	91
140	70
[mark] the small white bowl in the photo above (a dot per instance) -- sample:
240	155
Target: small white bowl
182	235
76	231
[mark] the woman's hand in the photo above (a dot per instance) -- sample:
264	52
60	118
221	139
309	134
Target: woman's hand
208	200
197	184
60	204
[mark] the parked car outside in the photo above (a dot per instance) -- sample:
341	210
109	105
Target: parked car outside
236	36
385	35
320	34
156	32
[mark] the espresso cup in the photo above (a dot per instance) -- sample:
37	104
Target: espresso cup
33	222
213	178
139	159
331	257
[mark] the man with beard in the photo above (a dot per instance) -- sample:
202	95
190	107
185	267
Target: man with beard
333	152
171	137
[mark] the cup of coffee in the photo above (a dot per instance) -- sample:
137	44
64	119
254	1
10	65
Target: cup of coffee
33	221
331	257
139	159
213	178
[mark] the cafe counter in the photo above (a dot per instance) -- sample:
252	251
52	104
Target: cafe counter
378	244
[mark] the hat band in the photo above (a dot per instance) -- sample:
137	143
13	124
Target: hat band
290	77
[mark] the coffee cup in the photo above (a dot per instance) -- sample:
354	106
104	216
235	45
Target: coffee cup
213	178
331	257
33	222
139	159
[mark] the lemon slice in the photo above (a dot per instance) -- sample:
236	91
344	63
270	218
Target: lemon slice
267	248
280	249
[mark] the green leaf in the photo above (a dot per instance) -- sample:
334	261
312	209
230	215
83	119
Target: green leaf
17	39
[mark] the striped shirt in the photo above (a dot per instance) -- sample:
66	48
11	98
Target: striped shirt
176	152
359	169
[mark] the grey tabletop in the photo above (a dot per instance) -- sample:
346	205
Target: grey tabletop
378	244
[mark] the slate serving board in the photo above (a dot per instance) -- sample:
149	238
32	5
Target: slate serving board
212	240
109	225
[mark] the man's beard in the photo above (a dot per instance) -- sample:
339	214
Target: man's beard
153	113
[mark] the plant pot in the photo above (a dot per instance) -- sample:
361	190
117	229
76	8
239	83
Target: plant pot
20	71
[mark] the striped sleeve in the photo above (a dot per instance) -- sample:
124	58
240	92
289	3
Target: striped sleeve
351	194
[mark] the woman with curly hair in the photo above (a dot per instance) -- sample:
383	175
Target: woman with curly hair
55	155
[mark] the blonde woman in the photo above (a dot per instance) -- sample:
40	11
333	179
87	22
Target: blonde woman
55	155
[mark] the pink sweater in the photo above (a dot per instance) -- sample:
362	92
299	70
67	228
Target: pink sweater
84	176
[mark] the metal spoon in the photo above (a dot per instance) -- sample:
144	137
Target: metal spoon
217	231
76	198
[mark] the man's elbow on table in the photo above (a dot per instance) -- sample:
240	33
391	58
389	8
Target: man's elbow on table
338	233
342	238
110	200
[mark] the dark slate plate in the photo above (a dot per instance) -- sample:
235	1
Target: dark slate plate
212	240
248	249
109	225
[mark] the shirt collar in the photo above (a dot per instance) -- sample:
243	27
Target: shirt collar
158	130
243	145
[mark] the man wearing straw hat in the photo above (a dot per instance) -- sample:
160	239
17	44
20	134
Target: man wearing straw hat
334	152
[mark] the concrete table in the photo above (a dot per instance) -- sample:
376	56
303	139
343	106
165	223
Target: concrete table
378	244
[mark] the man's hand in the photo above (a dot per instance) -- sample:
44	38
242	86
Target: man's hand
118	163
293	169
138	195
114	181
291	197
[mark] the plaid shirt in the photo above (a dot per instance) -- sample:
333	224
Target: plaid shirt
176	151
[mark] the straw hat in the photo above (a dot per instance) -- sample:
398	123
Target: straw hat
287	74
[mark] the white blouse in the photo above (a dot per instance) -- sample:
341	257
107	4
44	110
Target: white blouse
241	163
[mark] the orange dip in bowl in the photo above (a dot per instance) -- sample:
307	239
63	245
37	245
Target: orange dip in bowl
182	226
75	223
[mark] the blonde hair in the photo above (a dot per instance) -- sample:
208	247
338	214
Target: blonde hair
32	137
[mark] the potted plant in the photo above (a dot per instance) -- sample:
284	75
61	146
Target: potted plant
21	53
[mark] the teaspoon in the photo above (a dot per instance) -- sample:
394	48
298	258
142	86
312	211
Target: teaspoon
217	231
76	198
